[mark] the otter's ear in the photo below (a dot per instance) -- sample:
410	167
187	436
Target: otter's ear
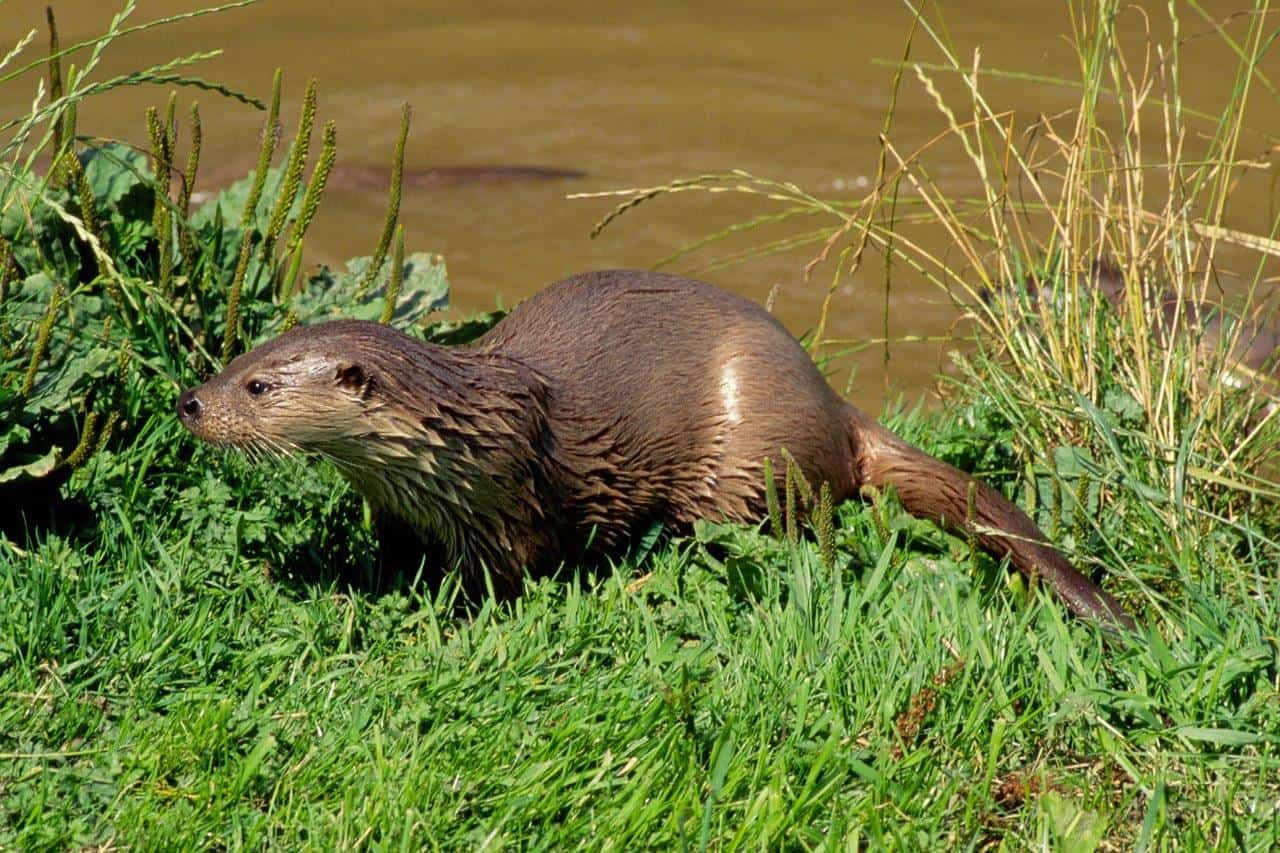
354	378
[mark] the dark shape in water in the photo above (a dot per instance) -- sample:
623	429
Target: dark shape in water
377	179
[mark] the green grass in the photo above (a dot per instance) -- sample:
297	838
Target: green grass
205	665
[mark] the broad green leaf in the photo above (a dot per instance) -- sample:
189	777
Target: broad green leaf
330	295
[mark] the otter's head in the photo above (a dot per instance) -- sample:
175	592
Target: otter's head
308	390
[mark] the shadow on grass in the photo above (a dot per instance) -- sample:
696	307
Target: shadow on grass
388	558
31	511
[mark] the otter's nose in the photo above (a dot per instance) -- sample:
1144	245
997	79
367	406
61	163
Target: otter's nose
189	405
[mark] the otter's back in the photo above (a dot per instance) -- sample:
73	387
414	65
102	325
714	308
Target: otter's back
680	379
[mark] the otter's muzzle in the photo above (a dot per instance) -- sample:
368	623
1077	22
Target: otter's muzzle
189	406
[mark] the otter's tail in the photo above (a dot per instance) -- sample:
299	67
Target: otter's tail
931	489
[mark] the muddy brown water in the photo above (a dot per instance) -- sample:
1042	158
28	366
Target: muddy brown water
631	95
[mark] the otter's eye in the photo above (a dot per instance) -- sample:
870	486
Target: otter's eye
256	387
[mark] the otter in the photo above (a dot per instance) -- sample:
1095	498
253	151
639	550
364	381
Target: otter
1251	341
605	403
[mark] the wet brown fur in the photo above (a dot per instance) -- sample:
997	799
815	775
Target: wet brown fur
606	402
